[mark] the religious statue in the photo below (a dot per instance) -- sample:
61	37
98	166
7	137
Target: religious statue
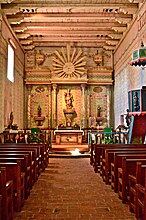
92	121
69	112
69	99
39	111
11	120
99	118
135	101
98	111
128	118
39	118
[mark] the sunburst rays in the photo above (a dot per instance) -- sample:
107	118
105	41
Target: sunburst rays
69	63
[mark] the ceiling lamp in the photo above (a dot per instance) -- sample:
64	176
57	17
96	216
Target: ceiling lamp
139	56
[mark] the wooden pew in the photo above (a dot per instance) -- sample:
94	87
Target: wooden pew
139	178
41	154
0	206
24	183
118	164
13	172
34	167
140	200
98	151
108	158
128	167
25	167
31	158
6	190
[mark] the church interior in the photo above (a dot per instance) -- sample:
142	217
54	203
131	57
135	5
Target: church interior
72	82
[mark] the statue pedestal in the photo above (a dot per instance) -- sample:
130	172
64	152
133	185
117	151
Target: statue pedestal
68	136
39	120
69	115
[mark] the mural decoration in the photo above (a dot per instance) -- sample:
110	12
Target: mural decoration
39	106
69	64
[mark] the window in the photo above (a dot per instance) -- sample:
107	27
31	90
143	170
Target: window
10	64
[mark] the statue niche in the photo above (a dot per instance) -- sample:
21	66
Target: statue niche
69	112
39	118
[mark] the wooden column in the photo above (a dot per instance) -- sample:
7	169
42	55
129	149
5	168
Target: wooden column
108	92
49	107
54	106
84	107
29	88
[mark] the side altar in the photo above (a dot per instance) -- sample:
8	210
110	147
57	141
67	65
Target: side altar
68	136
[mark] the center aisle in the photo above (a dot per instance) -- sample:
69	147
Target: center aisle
69	189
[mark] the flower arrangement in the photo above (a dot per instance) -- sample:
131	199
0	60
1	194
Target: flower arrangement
34	138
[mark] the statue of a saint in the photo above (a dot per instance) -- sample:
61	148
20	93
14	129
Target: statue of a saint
69	112
128	118
135	101
98	111
92	121
11	120
69	99
39	111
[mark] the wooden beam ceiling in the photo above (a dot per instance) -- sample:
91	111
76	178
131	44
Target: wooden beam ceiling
85	23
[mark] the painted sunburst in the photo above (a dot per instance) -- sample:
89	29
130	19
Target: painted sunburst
69	65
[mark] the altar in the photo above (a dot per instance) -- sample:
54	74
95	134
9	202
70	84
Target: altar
68	136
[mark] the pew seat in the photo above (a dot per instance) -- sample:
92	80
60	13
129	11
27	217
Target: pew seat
0	207
33	158
97	152
24	184
25	167
128	167
6	191
140	187
108	158
118	164
13	172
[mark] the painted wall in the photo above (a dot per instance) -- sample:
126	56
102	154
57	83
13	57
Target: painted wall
11	94
128	77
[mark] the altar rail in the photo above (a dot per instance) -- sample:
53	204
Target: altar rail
22	136
102	137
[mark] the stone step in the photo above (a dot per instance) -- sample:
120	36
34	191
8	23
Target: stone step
68	154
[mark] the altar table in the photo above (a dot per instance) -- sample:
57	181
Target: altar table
69	136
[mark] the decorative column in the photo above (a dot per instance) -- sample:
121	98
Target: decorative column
54	106
84	107
88	105
108	92
49	107
29	88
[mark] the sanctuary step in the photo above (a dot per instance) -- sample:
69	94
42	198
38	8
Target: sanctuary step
69	151
67	147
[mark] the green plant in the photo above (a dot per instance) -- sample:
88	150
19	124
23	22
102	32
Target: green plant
108	139
34	138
